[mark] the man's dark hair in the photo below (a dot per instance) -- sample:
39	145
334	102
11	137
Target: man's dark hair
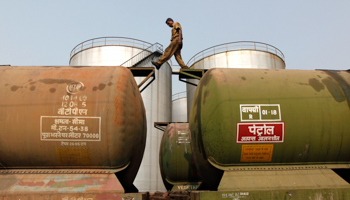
169	19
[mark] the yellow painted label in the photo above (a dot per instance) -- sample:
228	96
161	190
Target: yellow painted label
73	155
257	153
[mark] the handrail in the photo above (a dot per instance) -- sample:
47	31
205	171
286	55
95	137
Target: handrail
179	95
242	45
143	54
106	41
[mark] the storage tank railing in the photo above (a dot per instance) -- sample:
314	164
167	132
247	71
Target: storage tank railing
243	45
143	54
109	41
179	95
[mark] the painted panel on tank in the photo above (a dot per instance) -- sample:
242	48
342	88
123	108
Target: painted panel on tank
70	128
260	132
257	153
260	112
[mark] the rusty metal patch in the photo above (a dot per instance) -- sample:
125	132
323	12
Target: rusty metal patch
73	155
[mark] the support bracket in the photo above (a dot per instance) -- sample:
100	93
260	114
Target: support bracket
147	72
185	74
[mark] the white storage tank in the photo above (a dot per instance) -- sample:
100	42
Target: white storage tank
244	54
179	107
114	51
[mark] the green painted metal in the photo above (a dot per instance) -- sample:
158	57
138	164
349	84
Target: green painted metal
284	194
191	74
313	106
281	179
175	159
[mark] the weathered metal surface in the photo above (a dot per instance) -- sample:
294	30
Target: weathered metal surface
261	117
59	171
281	167
178	195
175	158
39	184
281	179
283	194
71	117
63	185
77	196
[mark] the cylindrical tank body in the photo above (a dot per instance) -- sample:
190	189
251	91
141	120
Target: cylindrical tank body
175	158
245	117
234	55
179	107
156	98
71	117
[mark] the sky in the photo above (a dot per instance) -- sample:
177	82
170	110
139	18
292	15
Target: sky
311	34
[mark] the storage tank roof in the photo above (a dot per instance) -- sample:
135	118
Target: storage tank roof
179	95
234	46
109	41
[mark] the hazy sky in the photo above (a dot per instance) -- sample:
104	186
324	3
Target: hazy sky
311	34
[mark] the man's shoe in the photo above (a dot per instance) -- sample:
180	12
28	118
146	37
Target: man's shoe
156	65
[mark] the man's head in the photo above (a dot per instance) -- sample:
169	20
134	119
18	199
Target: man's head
169	22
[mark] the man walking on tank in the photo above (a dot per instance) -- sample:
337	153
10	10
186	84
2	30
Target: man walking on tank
175	46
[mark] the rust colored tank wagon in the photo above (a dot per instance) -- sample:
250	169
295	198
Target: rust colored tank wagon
70	118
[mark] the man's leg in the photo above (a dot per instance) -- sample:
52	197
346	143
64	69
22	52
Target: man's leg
169	51
178	58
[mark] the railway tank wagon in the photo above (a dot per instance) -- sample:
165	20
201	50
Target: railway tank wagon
256	129
176	162
77	130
